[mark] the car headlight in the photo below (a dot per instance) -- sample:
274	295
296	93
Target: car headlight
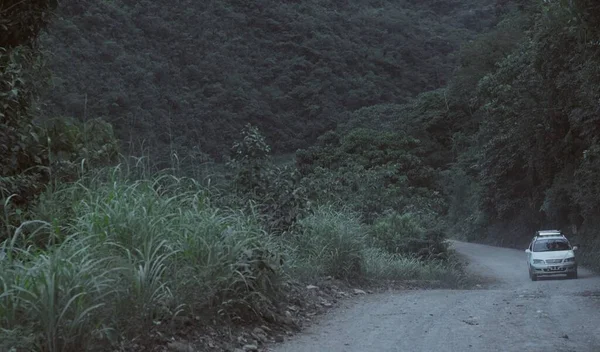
569	260
538	261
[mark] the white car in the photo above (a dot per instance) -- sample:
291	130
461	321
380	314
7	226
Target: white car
550	253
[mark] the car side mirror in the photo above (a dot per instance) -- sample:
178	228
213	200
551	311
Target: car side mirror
527	250
575	247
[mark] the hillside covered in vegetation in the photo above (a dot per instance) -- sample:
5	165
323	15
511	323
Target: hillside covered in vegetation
185	79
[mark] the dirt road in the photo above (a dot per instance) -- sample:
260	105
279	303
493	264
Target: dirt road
513	314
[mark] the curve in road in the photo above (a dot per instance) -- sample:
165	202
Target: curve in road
512	314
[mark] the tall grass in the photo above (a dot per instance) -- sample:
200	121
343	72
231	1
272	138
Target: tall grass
382	265
113	256
132	253
329	242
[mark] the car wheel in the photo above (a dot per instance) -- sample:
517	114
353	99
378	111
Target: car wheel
532	276
573	275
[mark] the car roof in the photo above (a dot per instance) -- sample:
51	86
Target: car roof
549	233
551	238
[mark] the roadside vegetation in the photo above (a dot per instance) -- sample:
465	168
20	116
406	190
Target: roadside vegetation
114	253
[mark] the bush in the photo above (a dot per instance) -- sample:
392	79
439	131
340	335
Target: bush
403	234
393	231
330	242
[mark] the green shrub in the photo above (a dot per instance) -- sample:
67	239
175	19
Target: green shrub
331	242
381	265
393	231
403	234
256	179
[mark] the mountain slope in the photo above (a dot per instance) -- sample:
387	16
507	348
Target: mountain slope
186	77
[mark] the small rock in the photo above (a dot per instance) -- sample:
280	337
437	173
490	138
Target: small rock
176	346
279	338
359	292
565	336
312	287
260	337
288	321
250	348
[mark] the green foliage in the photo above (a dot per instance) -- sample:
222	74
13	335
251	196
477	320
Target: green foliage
382	265
56	296
21	146
32	156
515	132
249	158
465	216
332	243
520	117
393	231
124	256
276	191
585	194
372	172
21	21
192	76
58	152
546	148
136	253
404	234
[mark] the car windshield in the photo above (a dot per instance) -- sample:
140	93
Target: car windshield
551	245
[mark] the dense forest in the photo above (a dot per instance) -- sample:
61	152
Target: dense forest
185	79
345	140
